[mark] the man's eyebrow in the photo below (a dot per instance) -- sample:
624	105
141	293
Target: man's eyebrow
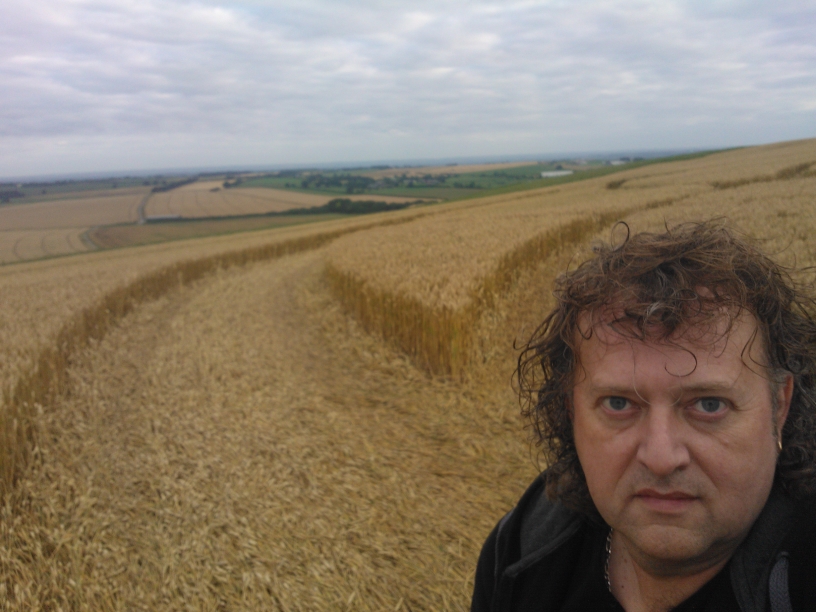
708	387
701	388
610	389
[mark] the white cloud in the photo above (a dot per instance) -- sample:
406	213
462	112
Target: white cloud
339	80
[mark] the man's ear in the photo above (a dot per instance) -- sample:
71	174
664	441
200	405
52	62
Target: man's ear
784	394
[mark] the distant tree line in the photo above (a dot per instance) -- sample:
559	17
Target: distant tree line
361	184
361	207
8	194
345	206
351	183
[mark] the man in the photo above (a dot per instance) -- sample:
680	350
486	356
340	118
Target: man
673	390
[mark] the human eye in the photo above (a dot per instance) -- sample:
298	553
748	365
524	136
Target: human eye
616	403
710	406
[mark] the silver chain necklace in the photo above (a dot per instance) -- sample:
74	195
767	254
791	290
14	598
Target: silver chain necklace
606	563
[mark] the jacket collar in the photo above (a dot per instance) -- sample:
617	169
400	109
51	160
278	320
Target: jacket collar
752	562
543	526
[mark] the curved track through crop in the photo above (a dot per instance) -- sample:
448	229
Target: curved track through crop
240	444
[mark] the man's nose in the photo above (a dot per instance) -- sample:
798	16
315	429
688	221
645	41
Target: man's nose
662	448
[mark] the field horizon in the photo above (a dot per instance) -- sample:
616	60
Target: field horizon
43	220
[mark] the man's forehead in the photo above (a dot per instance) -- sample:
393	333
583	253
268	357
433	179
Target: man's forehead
711	336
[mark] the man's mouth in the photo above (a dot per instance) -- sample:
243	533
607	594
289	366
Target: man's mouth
665	501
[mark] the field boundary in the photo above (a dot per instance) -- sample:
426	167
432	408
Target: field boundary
442	340
785	174
47	378
142	206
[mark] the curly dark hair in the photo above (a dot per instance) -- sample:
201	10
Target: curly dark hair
659	284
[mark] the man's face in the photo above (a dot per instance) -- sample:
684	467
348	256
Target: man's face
678	440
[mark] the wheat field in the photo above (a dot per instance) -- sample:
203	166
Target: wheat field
199	200
428	271
23	245
237	434
432	260
59	227
39	298
73	212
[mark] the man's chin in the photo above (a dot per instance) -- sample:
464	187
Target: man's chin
668	549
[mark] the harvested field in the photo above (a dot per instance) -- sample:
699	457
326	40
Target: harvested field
192	202
116	236
74	212
201	186
75	192
23	245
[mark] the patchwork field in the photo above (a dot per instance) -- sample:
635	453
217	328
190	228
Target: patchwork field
58	227
70	221
118	236
109	212
22	245
314	417
199	200
72	212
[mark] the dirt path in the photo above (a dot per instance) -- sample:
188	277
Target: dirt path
140	209
240	444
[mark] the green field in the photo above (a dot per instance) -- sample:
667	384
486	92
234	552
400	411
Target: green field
447	186
450	185
591	170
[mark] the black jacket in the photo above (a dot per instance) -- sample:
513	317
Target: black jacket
529	558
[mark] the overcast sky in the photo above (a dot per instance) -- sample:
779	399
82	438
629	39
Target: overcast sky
98	85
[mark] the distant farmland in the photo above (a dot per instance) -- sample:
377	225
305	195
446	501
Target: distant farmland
210	199
23	245
73	212
71	221
117	236
40	220
58	226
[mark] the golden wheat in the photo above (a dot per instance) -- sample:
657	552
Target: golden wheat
38	375
23	245
235	442
239	444
779	213
198	200
73	212
449	267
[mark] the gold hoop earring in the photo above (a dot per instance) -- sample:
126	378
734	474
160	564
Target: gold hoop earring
779	444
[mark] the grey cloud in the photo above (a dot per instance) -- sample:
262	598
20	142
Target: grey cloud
373	79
